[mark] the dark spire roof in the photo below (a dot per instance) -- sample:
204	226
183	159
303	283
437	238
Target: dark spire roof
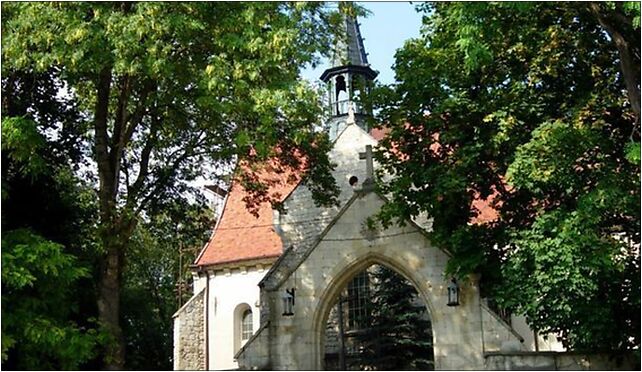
349	50
349	53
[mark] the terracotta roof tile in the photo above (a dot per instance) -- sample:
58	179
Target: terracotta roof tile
241	236
484	207
379	133
485	211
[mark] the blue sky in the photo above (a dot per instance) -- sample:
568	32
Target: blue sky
384	31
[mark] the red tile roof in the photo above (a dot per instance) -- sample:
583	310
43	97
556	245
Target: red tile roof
379	133
485	211
484	207
241	236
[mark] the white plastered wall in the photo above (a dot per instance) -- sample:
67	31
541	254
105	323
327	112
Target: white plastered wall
544	342
230	288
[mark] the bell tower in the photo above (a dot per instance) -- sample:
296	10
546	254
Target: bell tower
348	79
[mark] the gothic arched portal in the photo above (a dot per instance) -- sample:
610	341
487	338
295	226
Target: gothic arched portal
378	322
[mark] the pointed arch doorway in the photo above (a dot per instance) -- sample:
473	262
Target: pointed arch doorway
378	322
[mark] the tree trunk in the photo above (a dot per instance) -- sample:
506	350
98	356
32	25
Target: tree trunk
624	37
115	239
109	304
112	241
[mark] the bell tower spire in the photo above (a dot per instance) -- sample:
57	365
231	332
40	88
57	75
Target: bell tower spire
348	79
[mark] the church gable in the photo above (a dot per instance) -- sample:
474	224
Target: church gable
350	227
346	247
302	222
349	241
241	236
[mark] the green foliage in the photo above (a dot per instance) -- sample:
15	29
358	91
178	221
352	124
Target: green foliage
398	333
26	251
22	140
162	89
524	107
632	9
48	238
38	279
45	322
150	287
561	262
633	152
226	69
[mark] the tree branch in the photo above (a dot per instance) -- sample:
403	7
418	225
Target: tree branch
143	170
105	168
121	108
161	181
136	117
629	64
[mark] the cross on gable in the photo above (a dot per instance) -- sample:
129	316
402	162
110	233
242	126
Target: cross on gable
367	155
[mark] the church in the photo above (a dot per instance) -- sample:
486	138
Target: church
283	291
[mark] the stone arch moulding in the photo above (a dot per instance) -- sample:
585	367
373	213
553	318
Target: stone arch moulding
341	280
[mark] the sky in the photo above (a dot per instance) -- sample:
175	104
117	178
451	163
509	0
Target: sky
383	31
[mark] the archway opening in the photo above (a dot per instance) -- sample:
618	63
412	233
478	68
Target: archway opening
378	322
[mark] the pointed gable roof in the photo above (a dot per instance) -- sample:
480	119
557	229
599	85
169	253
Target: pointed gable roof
240	235
349	53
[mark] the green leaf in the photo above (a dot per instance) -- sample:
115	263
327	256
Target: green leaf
633	152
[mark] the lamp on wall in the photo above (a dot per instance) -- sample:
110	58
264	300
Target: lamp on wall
288	302
453	293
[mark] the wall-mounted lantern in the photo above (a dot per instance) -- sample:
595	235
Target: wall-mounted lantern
288	302
453	293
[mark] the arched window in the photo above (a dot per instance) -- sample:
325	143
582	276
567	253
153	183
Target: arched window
243	325
341	95
358	298
246	325
340	86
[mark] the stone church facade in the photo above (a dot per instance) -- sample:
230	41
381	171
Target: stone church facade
264	288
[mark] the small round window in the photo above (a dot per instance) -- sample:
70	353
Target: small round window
353	180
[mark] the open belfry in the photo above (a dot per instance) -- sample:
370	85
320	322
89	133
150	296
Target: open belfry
289	289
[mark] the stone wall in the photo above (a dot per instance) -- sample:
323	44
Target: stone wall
560	361
332	332
297	342
189	335
258	355
499	336
302	222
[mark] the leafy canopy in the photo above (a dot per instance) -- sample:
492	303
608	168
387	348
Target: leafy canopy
189	81
525	108
163	88
47	214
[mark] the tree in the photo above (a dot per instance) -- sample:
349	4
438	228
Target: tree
38	282
398	334
167	85
48	215
46	256
526	108
152	278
